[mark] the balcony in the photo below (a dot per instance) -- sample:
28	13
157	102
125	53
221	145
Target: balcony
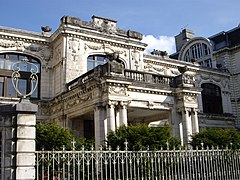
137	78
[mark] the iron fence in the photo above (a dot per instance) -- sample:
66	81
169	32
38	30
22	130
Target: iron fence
181	164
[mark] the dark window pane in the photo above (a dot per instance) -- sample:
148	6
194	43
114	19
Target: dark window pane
2	63
100	58
13	56
1	86
8	64
211	98
22	86
10	89
35	92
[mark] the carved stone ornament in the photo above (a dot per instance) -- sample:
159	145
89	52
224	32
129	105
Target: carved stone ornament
104	25
74	46
117	90
190	99
156	69
7	44
93	47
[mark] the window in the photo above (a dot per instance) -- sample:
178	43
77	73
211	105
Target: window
95	60
1	86
208	63
199	52
211	99
24	85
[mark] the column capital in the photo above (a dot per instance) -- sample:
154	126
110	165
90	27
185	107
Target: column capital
98	105
124	103
184	109
111	103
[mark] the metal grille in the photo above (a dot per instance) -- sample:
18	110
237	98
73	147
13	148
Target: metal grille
214	164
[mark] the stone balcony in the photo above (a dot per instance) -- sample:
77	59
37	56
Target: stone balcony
137	78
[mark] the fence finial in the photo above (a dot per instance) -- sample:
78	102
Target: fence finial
73	143
126	145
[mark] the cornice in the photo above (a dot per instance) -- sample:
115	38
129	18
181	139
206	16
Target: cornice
24	35
168	92
23	39
170	63
100	38
226	49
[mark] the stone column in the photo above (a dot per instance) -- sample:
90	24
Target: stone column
187	126
181	132
123	114
99	125
26	135
194	117
20	134
118	118
111	116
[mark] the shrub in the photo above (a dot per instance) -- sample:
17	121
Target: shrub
141	136
50	136
217	137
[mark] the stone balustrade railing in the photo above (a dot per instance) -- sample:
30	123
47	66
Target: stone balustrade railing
136	77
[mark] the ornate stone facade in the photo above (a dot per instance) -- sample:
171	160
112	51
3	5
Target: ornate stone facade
130	88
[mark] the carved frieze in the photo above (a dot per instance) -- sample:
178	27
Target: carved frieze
190	99
157	69
80	99
117	90
40	50
93	47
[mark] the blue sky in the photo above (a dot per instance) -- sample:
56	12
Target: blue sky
158	20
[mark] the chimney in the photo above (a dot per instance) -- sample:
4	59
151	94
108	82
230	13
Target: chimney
182	38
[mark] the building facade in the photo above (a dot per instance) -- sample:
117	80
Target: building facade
218	52
94	77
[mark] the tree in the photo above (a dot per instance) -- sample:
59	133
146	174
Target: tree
51	136
214	137
141	136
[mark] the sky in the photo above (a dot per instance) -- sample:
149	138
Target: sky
158	20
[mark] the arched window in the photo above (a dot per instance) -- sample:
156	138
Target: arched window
211	99
6	86
95	60
200	52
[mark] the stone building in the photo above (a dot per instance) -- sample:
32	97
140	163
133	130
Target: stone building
220	51
95	77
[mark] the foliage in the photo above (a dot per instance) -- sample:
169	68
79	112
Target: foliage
50	136
214	137
141	136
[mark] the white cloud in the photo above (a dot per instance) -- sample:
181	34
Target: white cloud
162	43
